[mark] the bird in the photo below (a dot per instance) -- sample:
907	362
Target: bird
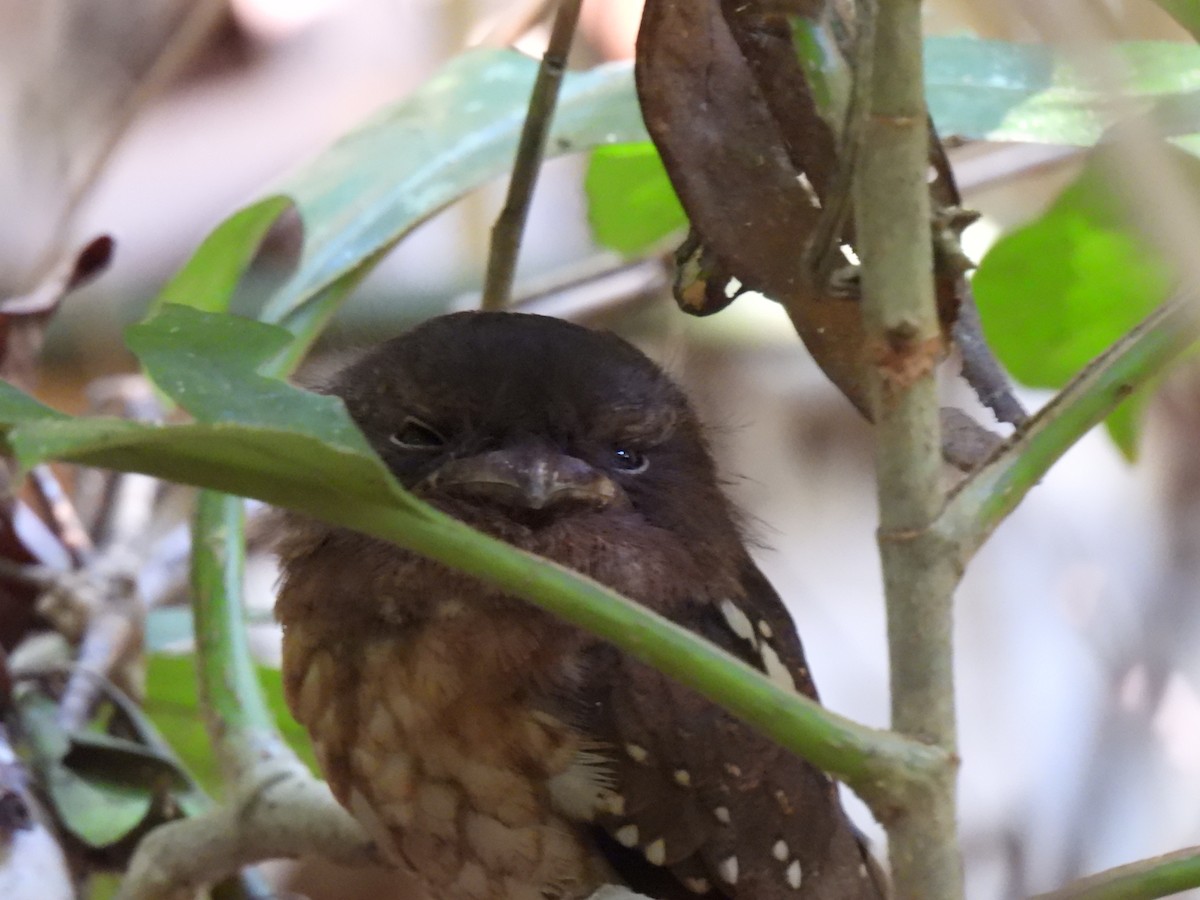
494	750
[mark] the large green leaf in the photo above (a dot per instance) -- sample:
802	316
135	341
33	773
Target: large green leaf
631	204
357	199
1057	292
458	131
1001	91
209	278
97	808
257	437
978	89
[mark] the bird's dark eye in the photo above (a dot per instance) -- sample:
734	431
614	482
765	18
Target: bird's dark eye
633	462
416	435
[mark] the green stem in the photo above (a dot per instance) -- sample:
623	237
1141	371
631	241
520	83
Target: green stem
1146	879
879	765
904	340
984	500
240	723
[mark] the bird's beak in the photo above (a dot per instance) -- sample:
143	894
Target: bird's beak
532	476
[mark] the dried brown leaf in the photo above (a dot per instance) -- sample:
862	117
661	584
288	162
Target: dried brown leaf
23	319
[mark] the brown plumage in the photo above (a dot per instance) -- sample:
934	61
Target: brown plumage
498	752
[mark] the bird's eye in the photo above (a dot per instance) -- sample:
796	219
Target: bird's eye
633	462
416	435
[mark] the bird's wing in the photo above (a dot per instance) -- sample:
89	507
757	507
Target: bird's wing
706	806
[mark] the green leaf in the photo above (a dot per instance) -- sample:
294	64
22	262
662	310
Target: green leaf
172	705
631	204
454	134
20	407
1057	292
96	755
829	76
209	365
296	448
209	278
97	809
1002	91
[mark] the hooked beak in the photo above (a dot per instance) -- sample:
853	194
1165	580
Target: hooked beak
529	476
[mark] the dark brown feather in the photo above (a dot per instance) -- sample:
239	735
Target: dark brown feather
522	739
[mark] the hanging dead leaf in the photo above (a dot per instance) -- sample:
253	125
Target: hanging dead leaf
23	319
754	159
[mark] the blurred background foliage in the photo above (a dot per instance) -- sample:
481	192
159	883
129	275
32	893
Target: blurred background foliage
1079	688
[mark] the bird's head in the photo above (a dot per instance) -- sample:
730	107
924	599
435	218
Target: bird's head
535	420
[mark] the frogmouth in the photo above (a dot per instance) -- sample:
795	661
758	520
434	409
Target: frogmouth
496	751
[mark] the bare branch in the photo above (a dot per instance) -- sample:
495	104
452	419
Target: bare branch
510	226
903	333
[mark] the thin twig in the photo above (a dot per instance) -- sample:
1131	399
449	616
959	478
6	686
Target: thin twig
984	500
1160	876
920	568
510	226
60	511
104	594
99	606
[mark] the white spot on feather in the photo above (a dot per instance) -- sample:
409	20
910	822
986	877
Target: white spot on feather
776	670
585	788
627	835
738	621
656	852
728	868
795	875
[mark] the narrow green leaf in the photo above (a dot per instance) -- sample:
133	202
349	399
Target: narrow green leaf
297	448
1056	293
96	755
209	365
827	71
17	406
631	204
1003	91
454	134
98	811
209	278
